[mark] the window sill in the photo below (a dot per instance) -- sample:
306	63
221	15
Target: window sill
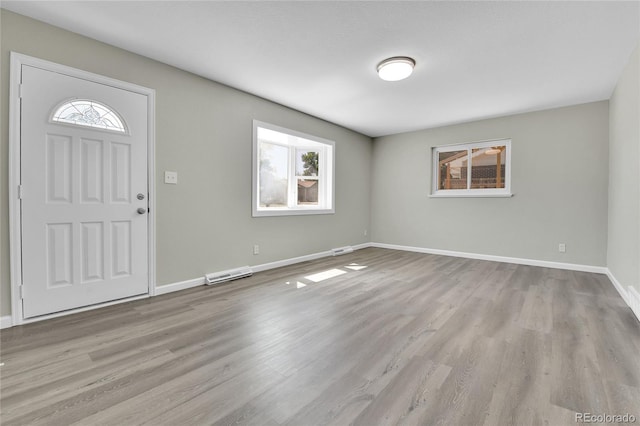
505	195
292	212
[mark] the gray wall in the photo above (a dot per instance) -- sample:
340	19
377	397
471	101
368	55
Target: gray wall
204	132
559	178
623	256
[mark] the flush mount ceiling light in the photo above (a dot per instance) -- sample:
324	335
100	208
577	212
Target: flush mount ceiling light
396	68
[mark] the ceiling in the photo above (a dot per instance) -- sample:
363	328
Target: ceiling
474	59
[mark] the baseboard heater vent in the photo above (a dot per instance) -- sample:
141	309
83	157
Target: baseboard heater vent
342	250
231	274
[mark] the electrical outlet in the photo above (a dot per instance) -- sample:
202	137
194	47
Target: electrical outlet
171	178
256	249
365	232
562	247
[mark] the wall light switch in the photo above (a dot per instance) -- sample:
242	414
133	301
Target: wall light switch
171	178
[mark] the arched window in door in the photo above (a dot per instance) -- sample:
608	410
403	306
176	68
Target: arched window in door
89	113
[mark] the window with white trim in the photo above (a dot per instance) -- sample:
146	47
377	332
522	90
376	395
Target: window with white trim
477	169
292	172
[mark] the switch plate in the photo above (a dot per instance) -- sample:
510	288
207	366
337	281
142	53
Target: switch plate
171	178
562	247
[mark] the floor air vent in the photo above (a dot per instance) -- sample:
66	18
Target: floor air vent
232	274
342	250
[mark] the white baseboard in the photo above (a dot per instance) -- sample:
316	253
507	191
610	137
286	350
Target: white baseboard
634	301
291	261
621	290
181	285
195	282
361	246
6	322
493	258
630	295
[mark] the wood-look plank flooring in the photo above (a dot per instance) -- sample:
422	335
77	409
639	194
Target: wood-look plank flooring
410	339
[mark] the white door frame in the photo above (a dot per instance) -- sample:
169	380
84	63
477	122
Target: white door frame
15	219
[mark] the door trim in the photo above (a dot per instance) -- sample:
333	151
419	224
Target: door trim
15	221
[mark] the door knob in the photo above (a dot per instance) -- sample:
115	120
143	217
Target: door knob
142	210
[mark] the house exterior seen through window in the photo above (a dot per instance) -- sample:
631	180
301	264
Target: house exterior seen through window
478	169
292	172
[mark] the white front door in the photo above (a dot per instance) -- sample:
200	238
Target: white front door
84	195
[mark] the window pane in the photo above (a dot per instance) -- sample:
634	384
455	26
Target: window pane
274	164
488	167
306	162
453	170
307	192
89	113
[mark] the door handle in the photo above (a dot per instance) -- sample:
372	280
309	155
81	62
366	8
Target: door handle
141	210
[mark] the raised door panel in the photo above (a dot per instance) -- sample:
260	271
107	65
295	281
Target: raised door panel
92	252
59	169
121	249
120	173
91	171
59	247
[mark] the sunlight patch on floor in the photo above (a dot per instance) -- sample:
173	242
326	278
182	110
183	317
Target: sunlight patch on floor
355	266
321	276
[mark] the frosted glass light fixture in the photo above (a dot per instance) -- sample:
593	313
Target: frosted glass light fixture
396	68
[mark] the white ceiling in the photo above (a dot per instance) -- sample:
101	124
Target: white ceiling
474	59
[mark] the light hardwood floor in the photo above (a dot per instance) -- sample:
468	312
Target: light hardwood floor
412	339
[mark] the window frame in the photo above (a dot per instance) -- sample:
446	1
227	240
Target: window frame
325	178
478	192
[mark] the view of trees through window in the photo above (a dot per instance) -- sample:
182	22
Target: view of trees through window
307	167
309	160
274	182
